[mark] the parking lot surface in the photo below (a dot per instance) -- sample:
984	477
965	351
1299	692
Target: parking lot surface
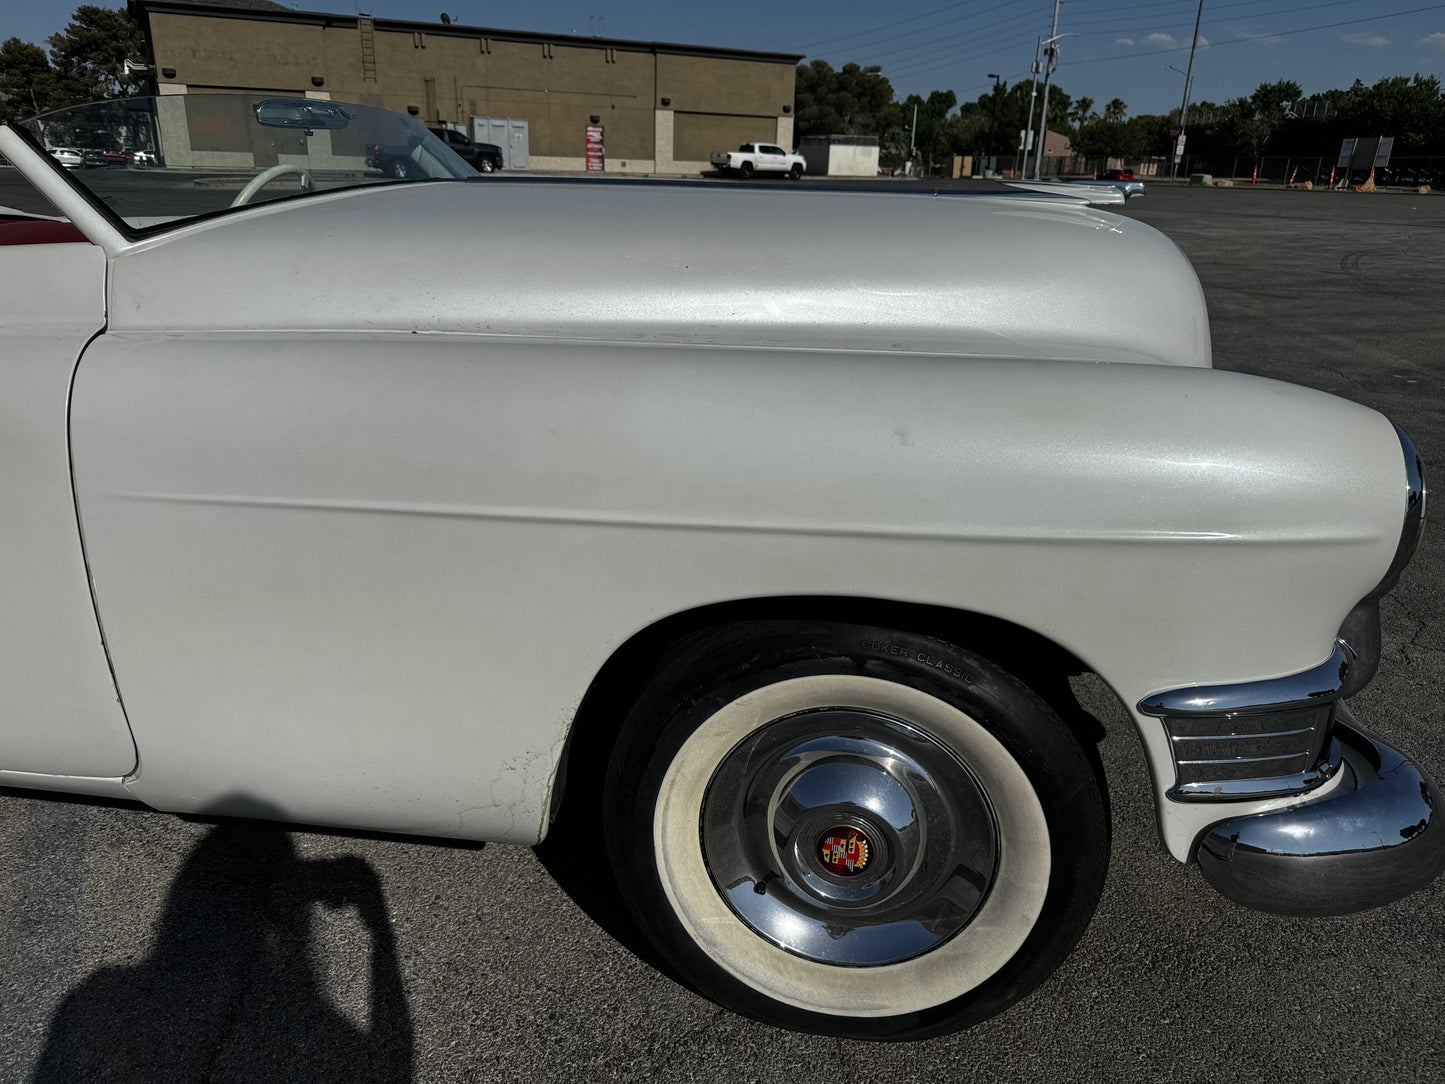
139	946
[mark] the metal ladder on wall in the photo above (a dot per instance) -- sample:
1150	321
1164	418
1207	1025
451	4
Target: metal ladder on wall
367	28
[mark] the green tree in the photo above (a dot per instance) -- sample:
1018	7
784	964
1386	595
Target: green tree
28	84
1116	111
1082	111
89	54
1411	110
1251	122
1060	105
1110	139
936	135
850	101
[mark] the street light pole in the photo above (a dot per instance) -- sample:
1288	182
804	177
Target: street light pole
1028	140
1049	54
1188	86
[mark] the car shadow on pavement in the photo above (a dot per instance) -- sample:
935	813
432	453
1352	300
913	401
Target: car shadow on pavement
230	988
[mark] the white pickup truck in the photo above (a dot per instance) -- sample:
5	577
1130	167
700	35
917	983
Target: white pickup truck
753	158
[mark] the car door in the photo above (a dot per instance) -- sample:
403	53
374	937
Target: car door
772	158
59	715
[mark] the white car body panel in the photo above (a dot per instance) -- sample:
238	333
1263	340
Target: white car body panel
58	709
705	281
369	578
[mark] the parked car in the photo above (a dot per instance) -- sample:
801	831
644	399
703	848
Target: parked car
409	158
483	157
766	585
67	157
753	158
1117	175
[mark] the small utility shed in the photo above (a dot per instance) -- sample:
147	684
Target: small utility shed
840	155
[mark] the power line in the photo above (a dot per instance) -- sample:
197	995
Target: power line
1002	41
1156	27
1004	44
885	26
915	71
934	26
975	32
1261	37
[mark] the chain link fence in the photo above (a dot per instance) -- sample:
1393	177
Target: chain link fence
1319	170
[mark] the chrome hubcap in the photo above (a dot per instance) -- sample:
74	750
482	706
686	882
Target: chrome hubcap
849	837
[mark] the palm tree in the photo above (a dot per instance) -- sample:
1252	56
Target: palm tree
1116	110
1081	112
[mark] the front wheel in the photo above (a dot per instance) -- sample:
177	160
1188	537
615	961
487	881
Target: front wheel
853	831
796	172
485	165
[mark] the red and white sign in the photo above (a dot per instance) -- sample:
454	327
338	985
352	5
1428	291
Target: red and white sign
596	153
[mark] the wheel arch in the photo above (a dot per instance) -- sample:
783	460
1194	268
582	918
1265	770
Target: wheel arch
1036	660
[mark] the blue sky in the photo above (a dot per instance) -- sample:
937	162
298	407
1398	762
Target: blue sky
1116	48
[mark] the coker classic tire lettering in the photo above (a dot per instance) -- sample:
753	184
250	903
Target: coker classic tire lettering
852	831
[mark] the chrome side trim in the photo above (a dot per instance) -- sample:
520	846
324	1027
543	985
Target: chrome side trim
1375	839
1269	787
1318	685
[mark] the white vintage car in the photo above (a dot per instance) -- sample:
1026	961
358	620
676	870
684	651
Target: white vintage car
767	571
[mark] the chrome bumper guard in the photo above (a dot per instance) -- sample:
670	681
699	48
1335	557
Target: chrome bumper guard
1256	739
1374	839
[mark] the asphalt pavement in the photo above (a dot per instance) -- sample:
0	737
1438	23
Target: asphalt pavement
140	946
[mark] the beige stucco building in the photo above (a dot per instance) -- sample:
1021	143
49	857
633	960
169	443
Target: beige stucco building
663	108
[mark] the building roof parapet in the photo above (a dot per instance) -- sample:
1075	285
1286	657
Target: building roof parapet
250	9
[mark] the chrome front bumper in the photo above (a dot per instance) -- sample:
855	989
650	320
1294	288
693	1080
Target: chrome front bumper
1374	839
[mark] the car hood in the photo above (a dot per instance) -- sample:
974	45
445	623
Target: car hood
690	262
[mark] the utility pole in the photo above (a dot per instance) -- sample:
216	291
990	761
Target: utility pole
912	142
1188	86
1033	93
1049	54
993	128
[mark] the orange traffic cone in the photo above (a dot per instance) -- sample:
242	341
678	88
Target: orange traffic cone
1255	178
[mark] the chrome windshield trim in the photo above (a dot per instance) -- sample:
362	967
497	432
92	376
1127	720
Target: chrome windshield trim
1318	685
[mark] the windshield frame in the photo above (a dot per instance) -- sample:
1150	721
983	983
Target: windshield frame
28	131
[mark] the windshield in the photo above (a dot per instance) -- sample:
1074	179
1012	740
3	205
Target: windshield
157	161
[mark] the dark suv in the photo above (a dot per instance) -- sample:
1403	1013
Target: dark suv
483	157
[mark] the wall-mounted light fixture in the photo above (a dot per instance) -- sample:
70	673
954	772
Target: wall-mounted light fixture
666	102
787	109
318	80
169	73
596	119
413	110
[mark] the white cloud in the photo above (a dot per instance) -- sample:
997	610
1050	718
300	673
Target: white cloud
1130	41
1434	41
1365	37
1161	40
